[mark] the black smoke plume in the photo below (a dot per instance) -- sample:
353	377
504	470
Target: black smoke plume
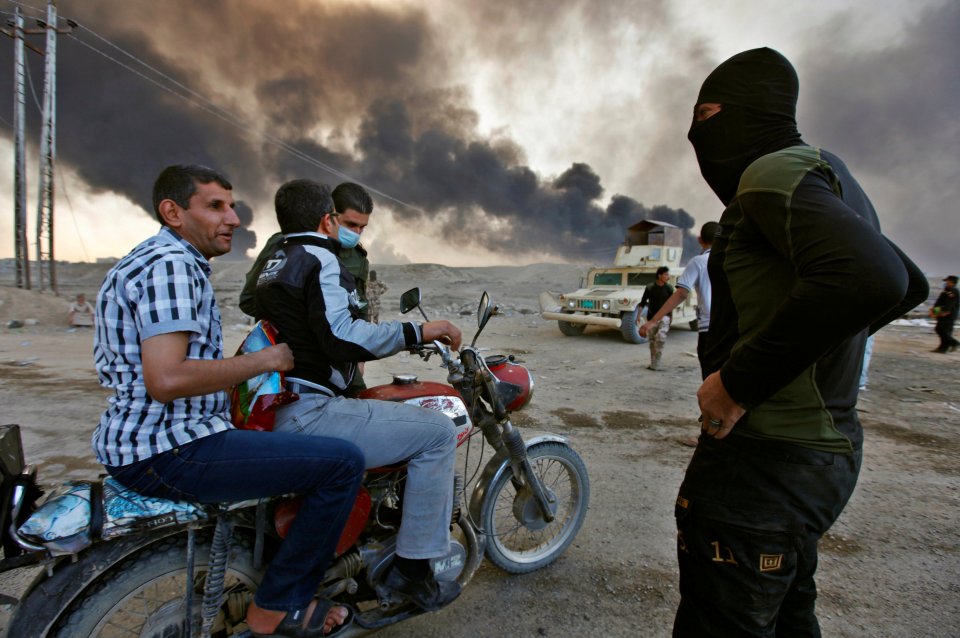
381	114
243	239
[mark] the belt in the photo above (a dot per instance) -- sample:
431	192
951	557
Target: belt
300	388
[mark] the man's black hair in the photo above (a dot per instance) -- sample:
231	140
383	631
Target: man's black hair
301	204
349	196
661	270
179	183
708	232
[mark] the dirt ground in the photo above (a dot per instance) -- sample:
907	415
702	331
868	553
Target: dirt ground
889	567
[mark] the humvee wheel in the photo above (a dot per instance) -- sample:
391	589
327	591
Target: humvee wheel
571	329
629	327
694	325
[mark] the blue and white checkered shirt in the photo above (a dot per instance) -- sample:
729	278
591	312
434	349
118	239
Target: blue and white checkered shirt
161	287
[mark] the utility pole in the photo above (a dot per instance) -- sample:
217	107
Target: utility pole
20	251
46	273
46	266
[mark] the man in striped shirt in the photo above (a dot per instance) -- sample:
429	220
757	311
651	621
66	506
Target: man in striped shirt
167	430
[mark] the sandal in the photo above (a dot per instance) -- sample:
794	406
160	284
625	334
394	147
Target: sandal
292	624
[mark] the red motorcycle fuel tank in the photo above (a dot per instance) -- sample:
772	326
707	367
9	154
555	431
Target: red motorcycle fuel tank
426	394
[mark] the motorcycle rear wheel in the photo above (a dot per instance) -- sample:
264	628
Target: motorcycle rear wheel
144	594
519	539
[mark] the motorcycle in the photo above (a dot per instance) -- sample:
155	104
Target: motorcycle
167	578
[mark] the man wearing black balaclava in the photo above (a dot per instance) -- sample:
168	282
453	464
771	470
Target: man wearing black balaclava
801	275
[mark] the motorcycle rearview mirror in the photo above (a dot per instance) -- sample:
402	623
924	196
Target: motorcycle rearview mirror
410	300
484	311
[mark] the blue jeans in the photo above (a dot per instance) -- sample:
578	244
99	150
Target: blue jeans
388	433
864	369
243	464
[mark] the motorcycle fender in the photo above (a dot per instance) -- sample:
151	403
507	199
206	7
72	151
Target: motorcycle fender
49	595
497	465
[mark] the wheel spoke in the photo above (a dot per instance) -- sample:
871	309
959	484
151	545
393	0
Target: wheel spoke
137	610
520	540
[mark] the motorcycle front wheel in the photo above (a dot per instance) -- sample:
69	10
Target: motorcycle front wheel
144	594
519	539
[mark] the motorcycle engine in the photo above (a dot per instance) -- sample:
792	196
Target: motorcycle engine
379	556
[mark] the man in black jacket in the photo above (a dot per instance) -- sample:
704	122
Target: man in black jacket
308	294
801	275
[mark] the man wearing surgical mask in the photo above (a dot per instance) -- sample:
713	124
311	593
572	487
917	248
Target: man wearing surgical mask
353	205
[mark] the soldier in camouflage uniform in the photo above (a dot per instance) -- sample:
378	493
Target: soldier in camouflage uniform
355	259
654	296
375	290
353	206
658	339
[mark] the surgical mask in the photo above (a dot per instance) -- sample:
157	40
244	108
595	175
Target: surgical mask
347	238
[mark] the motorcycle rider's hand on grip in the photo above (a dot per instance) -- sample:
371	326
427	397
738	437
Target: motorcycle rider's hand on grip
443	331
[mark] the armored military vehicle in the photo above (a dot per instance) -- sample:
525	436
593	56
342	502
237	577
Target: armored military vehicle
610	296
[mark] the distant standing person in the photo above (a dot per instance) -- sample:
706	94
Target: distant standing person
80	312
654	297
945	312
696	278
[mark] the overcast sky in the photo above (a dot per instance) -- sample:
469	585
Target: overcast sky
502	132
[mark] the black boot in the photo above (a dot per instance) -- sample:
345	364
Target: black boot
428	593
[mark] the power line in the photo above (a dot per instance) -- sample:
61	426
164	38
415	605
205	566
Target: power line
23	5
33	91
76	225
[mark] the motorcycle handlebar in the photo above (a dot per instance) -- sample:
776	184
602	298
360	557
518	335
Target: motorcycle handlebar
469	360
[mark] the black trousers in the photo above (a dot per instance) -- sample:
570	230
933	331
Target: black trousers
749	515
944	330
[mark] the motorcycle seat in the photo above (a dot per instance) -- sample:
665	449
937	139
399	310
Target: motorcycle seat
81	512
